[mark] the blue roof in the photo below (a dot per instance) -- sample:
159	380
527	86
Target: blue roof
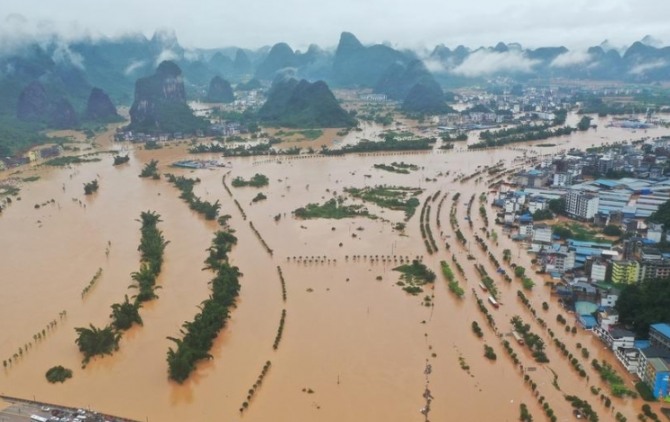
588	251
588	321
608	183
586	244
663	328
641	344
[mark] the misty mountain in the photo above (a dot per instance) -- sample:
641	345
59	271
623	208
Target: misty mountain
400	78
426	97
641	62
241	64
281	56
160	103
220	91
301	104
38	106
100	108
357	65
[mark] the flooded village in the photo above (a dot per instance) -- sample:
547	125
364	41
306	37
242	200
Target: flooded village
354	339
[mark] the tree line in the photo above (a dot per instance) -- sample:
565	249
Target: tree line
199	334
185	185
93	341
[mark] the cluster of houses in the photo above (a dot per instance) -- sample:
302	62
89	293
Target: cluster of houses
489	109
585	262
31	157
648	359
214	130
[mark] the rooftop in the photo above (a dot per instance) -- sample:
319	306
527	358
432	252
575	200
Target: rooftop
658	364
656	352
662	328
621	333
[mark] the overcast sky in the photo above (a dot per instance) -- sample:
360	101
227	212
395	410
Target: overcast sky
407	23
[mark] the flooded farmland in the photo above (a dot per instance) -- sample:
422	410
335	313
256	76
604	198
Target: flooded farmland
355	346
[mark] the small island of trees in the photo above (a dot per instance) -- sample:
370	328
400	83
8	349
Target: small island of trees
333	208
414	276
257	181
58	374
121	159
91	187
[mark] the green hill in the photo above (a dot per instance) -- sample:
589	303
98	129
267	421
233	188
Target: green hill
160	103
426	97
220	91
302	104
357	65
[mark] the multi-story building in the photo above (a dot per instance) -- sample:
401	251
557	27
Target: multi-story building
656	374
655	268
607	319
582	205
629	358
598	271
616	338
557	261
655	232
532	178
526	230
659	335
562	179
609	298
627	272
537	204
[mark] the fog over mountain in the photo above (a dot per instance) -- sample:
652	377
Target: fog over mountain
63	65
210	23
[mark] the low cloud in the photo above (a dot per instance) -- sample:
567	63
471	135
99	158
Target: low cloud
166	55
571	58
645	67
486	62
63	54
435	66
132	67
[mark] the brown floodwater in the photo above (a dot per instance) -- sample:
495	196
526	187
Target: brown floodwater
358	343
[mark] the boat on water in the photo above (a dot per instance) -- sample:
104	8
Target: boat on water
483	287
199	164
493	302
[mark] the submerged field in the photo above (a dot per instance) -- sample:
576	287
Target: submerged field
353	345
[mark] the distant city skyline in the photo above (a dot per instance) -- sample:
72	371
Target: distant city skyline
419	24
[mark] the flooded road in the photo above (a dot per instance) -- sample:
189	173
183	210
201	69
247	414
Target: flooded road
355	347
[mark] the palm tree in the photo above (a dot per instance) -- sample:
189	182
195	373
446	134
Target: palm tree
125	314
94	341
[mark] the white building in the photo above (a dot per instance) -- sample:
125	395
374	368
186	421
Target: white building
608	318
609	299
654	232
616	338
557	261
537	204
526	230
562	179
581	204
630	358
598	272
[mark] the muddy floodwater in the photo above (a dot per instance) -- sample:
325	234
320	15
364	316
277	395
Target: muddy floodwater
355	347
